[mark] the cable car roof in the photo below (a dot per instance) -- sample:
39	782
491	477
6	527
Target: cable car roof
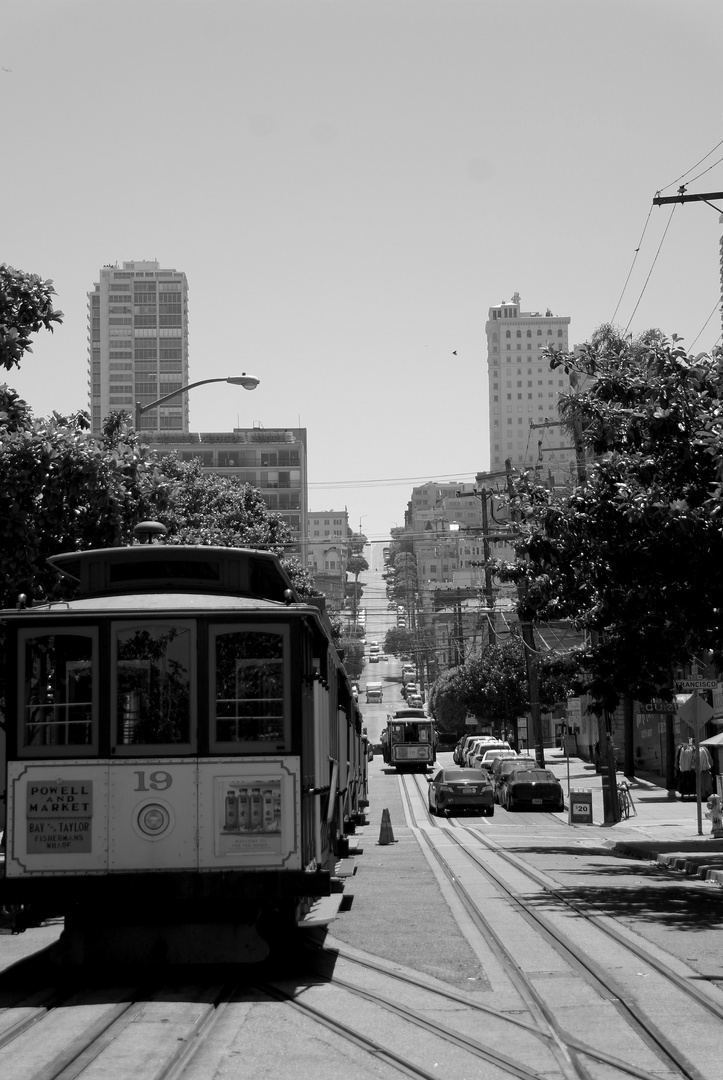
148	568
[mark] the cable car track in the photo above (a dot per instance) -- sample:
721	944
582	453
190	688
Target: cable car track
594	974
457	1038
72	1059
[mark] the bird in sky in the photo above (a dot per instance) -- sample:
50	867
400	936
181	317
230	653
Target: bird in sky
454	353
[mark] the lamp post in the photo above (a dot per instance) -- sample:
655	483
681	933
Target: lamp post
247	381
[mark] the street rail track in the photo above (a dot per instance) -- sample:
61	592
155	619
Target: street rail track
636	1015
78	1053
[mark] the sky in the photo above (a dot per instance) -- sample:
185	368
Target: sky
349	185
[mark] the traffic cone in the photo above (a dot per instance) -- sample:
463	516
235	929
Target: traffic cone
386	834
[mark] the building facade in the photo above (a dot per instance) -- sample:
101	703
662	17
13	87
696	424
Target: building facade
524	391
327	550
272	460
138	344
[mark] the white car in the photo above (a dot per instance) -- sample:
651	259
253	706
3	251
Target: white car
483	742
485	759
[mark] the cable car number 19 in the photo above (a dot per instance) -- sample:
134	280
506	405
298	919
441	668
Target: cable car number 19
157	781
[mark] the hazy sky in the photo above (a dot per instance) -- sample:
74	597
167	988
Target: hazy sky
349	185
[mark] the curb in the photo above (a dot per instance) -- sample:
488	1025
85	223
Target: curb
701	867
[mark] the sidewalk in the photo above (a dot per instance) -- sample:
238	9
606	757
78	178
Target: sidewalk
664	829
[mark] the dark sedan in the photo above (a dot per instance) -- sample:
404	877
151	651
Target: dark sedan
537	788
460	789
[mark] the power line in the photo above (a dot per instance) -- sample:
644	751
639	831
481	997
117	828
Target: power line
395	480
657	253
701	331
676	181
632	265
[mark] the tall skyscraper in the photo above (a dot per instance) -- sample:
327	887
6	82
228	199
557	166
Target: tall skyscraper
138	344
524	391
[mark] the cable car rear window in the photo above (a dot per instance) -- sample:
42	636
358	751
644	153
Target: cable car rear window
153	699
58	691
249	684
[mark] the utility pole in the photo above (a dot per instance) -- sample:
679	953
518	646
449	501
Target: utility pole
606	749
681	197
482	495
533	674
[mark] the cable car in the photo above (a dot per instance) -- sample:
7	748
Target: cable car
185	755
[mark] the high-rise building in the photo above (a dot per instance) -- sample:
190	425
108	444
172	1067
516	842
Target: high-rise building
138	344
524	391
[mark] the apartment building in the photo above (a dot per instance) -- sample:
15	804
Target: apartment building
326	548
272	460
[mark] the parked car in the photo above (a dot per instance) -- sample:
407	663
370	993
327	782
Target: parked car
538	788
459	789
483	742
463	746
484	758
502	768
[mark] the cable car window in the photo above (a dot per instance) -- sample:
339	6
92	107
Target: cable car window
249	684
153	686
58	692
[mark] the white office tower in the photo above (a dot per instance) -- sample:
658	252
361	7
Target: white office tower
138	344
524	391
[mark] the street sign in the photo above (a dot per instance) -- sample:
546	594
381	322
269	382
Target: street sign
684	686
693	710
580	806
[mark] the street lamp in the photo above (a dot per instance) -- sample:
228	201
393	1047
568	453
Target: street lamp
247	381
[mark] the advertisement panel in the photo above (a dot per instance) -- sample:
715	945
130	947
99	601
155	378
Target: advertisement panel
59	811
249	812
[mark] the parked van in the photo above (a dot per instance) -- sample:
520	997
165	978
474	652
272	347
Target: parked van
375	691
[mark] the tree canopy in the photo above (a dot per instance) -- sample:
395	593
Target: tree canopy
356	565
26	307
633	553
493	686
398	641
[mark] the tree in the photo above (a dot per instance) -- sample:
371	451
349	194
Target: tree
357	543
353	656
25	308
63	490
494	687
356	565
445	702
633	554
399	642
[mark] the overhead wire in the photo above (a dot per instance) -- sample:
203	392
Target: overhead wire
647	222
702	330
396	480
679	178
632	265
657	253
